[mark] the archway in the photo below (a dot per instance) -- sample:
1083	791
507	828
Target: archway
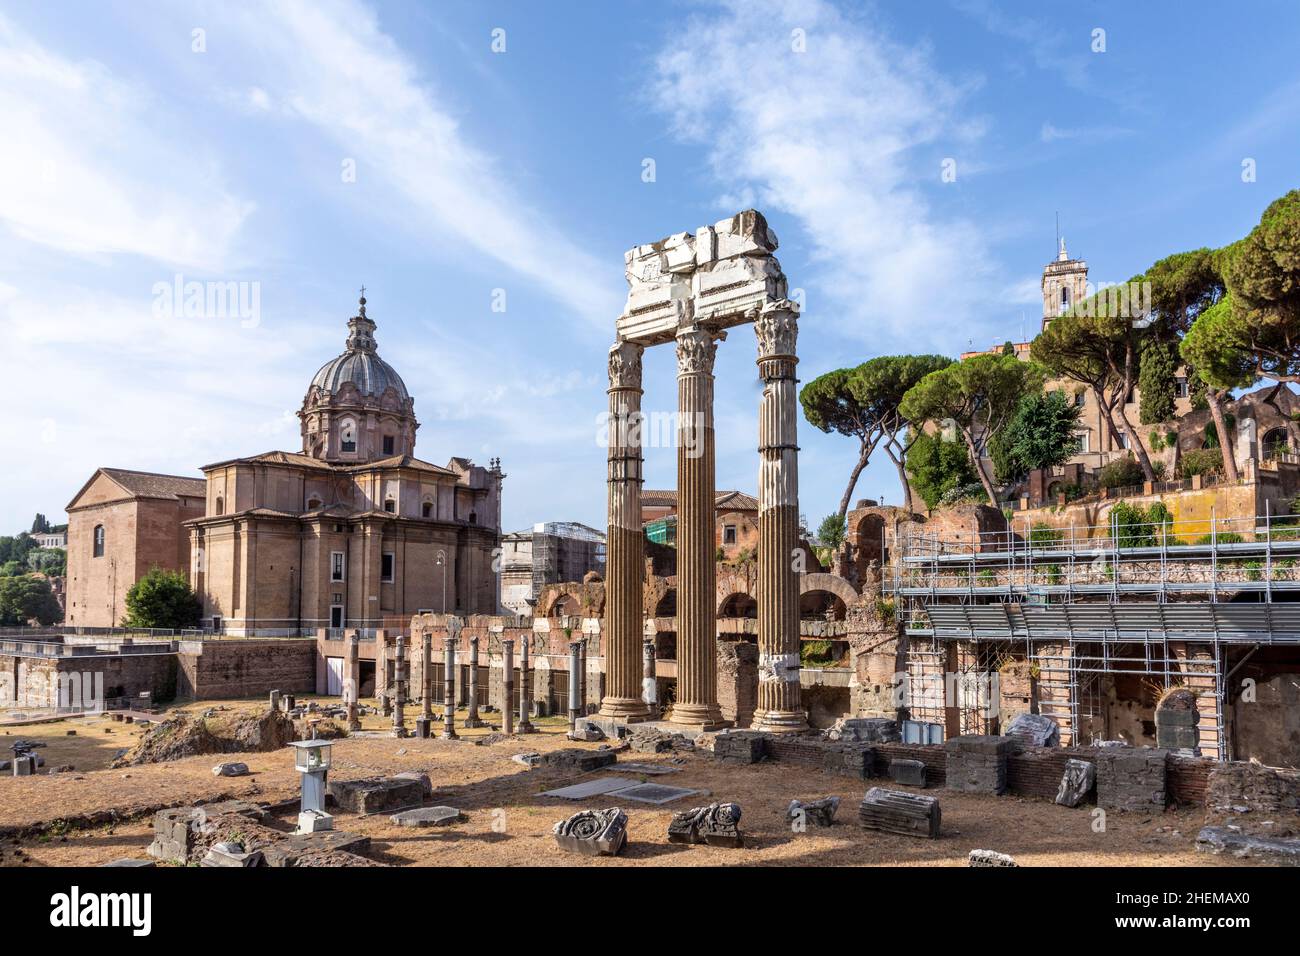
667	606
738	604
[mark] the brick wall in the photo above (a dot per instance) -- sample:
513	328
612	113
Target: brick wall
247	667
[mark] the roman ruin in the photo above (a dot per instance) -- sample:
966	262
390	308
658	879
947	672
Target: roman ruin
689	290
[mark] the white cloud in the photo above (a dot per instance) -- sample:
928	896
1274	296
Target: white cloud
84	168
331	65
842	138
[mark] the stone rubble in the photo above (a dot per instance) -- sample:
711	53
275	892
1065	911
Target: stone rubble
819	813
593	832
898	811
718	824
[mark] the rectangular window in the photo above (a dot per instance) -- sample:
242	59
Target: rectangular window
386	566
1084	438
388	444
1181	388
336	616
728	534
336	566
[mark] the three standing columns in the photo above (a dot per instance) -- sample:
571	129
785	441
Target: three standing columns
778	707
697	655
625	547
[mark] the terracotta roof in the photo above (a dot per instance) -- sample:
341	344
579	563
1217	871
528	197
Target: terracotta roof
732	500
147	484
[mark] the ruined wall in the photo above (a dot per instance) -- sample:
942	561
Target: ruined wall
35	681
738	681
1268	728
245	667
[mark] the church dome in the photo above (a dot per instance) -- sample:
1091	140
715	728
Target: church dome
360	364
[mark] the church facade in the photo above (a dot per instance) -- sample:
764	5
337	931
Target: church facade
353	531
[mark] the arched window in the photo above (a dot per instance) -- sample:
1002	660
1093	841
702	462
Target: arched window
99	540
426	510
221	505
348	436
313	504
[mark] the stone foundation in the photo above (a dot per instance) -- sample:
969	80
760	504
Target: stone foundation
1131	779
978	764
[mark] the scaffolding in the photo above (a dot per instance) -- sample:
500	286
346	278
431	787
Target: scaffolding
1160	599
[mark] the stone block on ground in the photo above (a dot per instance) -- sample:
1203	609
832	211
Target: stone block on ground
977	763
1131	779
375	794
427	817
989	858
898	811
575	759
818	813
586	730
1076	782
426	785
231	854
593	832
854	759
1035	730
231	768
875	730
739	746
910	773
718	824
1219	840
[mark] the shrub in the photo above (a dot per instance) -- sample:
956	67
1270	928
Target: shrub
1043	534
162	599
1200	461
1120	473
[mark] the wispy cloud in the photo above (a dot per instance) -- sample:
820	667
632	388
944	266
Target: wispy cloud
845	138
331	65
85	170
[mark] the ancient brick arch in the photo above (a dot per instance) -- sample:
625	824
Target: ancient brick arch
832	583
572	598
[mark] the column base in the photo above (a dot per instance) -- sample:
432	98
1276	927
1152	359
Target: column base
525	727
473	723
449	735
780	721
629	710
704	717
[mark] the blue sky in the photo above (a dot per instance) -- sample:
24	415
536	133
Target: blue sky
131	158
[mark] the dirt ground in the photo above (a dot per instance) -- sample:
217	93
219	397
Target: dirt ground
508	823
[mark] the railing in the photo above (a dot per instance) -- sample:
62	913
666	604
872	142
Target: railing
1258	553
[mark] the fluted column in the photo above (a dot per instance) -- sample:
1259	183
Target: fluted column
625	548
449	688
697	661
473	719
779	708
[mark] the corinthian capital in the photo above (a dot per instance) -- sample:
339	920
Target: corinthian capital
625	365
777	328
696	347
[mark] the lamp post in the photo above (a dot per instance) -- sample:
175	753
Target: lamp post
311	758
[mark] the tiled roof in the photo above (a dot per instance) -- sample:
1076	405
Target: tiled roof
147	484
731	500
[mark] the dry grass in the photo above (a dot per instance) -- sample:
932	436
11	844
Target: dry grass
508	823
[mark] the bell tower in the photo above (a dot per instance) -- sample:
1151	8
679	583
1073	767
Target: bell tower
1065	283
